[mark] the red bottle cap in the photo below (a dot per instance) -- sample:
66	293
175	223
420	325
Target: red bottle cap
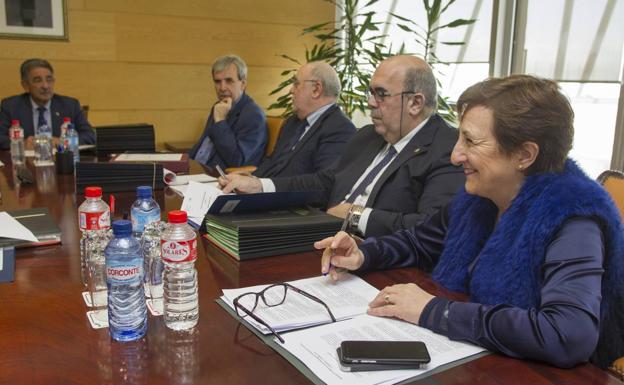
14	122
93	192
177	216
66	120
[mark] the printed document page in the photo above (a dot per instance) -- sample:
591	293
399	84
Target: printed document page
346	298
316	348
197	200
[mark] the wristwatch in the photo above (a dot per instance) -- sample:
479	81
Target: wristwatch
355	213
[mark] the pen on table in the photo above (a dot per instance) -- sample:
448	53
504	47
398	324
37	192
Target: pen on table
220	170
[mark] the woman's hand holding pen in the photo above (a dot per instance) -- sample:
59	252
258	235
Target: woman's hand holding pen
341	252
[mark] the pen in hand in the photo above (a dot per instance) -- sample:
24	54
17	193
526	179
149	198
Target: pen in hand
343	227
223	175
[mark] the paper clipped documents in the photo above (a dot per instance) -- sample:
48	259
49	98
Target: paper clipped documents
316	348
345	298
11	228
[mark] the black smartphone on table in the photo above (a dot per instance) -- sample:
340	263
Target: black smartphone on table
382	355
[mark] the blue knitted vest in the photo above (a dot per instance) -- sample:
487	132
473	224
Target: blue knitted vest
511	252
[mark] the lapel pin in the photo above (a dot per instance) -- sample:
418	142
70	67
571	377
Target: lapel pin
416	151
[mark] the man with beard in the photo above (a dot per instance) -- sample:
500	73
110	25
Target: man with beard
236	132
393	173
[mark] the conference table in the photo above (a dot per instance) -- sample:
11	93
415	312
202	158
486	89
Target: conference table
46	338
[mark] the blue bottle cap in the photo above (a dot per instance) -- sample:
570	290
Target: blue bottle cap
144	191
122	227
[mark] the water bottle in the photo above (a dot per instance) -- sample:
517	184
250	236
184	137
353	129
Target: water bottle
93	214
152	261
16	133
64	127
144	210
127	312
72	139
179	251
43	146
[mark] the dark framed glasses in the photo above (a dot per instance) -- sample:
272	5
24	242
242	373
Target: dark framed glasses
271	296
380	94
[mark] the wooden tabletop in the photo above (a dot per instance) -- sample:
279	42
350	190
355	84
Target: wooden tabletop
45	337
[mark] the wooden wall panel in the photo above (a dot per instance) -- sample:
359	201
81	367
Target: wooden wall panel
296	12
143	38
149	60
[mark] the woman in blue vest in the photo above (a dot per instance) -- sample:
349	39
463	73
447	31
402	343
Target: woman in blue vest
535	244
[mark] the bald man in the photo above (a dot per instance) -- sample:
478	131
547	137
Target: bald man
313	138
393	173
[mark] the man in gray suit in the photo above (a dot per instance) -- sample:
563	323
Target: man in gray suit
393	173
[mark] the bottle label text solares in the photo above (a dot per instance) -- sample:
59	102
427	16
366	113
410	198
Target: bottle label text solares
179	251
95	220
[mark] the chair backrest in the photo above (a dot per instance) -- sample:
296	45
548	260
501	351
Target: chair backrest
125	137
613	182
274	125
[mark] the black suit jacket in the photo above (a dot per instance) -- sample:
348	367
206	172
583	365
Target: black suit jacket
418	182
319	148
19	107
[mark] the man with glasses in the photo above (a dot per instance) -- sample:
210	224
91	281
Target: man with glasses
394	172
235	133
39	109
315	135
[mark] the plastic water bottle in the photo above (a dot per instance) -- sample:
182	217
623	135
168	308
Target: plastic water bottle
93	214
179	251
127	313
64	127
16	133
73	145
144	210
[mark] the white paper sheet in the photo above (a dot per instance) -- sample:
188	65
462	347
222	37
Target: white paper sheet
197	200
11	228
345	298
148	157
316	348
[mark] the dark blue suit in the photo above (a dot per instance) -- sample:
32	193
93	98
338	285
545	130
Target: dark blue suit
319	148
19	107
418	182
239	139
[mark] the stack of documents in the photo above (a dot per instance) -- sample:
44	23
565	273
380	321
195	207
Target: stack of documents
313	349
346	299
263	234
116	177
173	162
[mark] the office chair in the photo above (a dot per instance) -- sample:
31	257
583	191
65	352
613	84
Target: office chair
274	127
613	182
